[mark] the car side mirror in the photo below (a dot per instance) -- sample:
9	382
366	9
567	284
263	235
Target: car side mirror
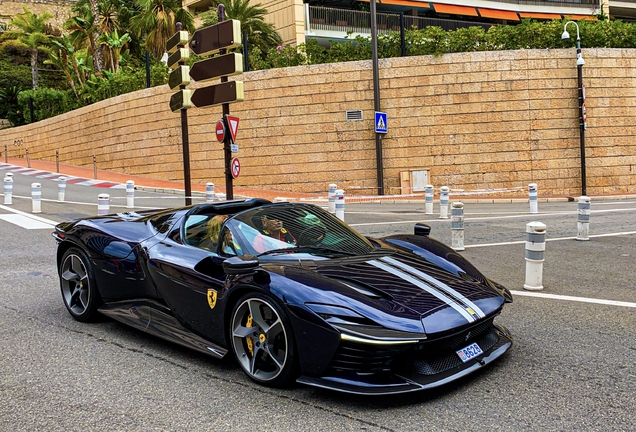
422	229
243	264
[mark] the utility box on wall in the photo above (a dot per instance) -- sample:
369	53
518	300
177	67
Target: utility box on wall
413	181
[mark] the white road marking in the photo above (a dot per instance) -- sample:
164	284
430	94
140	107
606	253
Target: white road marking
467	219
572	298
29	215
25	222
552	239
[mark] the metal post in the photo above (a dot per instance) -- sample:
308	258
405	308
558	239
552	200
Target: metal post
103	204
535	248
227	142
331	197
579	72
402	34
583	222
457	226
340	204
8	190
533	197
28	158
246	57
209	192
94	167
429	195
376	97
6	154
147	70
443	202
61	189
57	161
130	194
36	197
185	139
31	111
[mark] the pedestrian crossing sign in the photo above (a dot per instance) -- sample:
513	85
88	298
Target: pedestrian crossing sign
381	125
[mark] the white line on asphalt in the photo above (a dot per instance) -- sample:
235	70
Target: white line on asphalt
534	216
25	222
30	216
551	239
572	298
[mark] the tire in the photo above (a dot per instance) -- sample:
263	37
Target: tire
267	354
77	282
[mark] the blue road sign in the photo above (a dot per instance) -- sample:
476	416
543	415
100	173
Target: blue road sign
381	124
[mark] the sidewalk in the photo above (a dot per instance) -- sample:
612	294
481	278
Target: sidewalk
177	187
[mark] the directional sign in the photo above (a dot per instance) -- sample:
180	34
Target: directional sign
178	40
231	91
178	57
225	65
232	122
181	100
210	40
381	123
220	131
235	167
178	77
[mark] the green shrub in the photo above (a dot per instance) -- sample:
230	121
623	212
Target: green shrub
46	103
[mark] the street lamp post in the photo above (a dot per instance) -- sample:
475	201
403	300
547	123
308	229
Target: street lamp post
579	68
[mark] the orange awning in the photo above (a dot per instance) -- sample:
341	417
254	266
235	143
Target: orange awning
455	10
583	17
498	14
538	15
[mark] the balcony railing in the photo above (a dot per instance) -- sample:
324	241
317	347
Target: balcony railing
343	20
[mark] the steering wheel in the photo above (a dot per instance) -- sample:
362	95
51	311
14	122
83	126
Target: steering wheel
311	236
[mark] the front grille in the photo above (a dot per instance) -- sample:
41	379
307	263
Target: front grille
427	358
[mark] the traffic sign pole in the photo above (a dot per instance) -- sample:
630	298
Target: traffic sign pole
227	151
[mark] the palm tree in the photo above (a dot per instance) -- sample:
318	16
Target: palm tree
115	43
260	34
31	38
157	20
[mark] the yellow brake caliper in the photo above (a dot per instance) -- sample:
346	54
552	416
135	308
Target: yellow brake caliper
248	339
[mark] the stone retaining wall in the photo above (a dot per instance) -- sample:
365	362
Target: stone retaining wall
482	120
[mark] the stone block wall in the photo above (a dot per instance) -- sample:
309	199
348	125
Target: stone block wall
483	120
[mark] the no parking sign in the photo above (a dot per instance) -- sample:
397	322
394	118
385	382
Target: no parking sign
235	167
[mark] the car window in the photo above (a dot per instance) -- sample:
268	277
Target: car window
294	226
164	220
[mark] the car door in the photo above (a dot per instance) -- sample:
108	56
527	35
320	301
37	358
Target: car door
189	279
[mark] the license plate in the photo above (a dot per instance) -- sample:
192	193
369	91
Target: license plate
470	352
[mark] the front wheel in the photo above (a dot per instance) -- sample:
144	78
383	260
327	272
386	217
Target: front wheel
262	340
79	290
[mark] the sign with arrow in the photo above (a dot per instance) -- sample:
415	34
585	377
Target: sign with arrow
225	65
231	91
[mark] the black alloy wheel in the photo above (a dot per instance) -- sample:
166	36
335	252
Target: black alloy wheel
79	290
262	340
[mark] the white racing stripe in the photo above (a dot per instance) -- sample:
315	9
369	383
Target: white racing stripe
437	283
572	298
404	276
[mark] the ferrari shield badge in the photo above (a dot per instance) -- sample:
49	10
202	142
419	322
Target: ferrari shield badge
211	298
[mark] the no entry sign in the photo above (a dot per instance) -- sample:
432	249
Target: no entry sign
220	131
235	167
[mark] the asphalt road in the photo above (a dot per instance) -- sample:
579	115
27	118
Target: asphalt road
572	366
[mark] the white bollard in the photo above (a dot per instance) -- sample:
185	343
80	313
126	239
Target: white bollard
103	204
533	196
209	192
61	189
36	197
340	204
583	223
535	248
429	195
443	202
8	190
331	197
457	226
130	194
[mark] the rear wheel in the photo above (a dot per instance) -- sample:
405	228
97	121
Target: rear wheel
262	340
79	290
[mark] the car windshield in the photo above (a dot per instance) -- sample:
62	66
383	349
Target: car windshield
296	228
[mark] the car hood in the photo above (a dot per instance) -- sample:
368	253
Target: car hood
397	289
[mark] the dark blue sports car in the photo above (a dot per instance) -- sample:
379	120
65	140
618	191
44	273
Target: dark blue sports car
293	292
